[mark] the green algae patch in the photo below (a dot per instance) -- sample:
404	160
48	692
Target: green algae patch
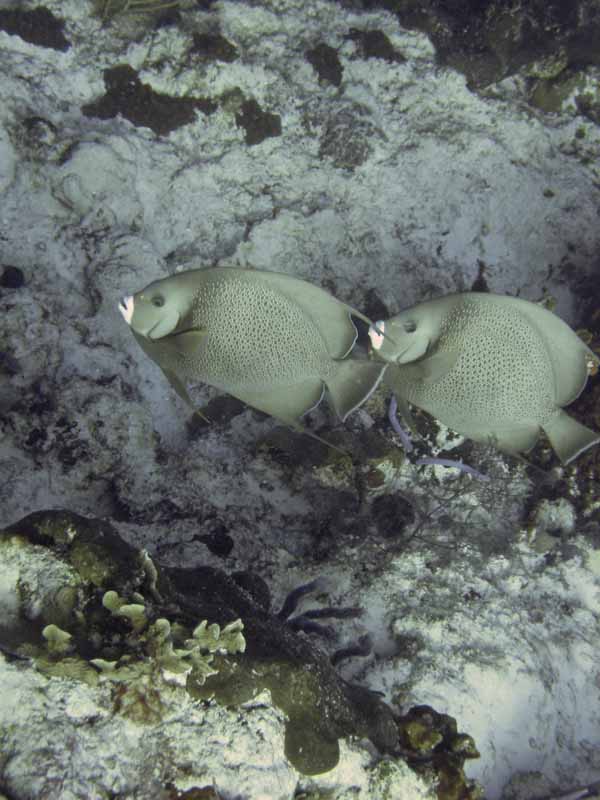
295	689
91	548
69	667
152	666
549	95
309	752
67	619
93	563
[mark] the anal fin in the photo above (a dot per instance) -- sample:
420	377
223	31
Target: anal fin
512	440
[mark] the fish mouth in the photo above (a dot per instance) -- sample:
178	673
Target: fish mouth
126	308
377	335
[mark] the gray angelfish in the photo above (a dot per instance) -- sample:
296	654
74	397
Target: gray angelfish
273	341
491	367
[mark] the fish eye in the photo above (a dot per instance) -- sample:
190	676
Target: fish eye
410	326
158	300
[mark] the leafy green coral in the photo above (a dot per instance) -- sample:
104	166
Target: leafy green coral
142	684
72	622
154	657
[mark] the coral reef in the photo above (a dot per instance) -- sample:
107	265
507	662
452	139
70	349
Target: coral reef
388	151
141	645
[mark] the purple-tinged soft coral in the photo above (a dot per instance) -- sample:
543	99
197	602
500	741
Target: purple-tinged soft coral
408	446
395	423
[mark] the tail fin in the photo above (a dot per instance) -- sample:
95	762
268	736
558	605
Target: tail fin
352	383
568	437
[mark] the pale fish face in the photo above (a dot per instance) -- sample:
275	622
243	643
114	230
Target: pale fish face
153	312
126	308
399	340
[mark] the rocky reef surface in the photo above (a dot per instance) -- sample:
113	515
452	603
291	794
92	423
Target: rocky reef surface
388	152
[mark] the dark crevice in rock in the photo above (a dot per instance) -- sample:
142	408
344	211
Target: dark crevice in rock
258	124
213	47
326	63
218	411
38	26
480	283
12	278
347	137
9	365
375	44
218	541
142	106
489	40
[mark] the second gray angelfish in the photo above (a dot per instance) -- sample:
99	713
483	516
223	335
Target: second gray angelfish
492	367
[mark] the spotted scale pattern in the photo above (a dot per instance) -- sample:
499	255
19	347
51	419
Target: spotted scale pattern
256	338
503	375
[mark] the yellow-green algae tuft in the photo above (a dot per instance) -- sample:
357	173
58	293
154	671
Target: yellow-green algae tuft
441	751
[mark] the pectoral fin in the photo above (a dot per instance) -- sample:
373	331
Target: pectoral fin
188	342
428	370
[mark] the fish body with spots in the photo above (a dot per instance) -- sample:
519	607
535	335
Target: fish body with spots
275	342
492	367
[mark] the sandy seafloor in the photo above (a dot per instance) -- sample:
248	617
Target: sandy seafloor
398	184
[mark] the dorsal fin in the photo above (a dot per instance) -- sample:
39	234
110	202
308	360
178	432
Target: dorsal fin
187	342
